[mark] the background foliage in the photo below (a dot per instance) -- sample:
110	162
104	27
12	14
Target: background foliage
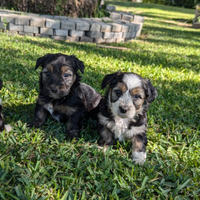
74	8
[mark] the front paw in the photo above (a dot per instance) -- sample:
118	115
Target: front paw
139	157
8	128
73	133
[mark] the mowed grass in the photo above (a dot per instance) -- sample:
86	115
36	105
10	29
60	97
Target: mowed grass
40	164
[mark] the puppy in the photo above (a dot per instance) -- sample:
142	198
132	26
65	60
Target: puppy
122	113
2	125
61	93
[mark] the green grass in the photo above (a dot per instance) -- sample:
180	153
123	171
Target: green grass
40	164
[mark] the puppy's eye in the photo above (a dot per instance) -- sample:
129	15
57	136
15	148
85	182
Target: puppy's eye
118	92
136	96
66	75
47	73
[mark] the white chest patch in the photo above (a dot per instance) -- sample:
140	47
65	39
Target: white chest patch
49	107
120	127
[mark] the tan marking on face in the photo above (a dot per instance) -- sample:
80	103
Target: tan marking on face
138	91
49	68
64	69
122	87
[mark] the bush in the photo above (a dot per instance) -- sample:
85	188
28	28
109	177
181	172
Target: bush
73	8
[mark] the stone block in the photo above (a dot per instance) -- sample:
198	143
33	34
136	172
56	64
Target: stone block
39	22
115	16
132	35
94	25
72	39
25	34
110	40
82	26
58	37
2	25
196	25
128	18
3	12
60	17
116	27
52	23
44	36
13	27
31	29
126	35
86	39
105	27
47	16
46	31
99	40
120	39
68	25
33	15
107	35
93	34
8	18
138	18
110	8
22	20
118	35
75	33
60	32
11	32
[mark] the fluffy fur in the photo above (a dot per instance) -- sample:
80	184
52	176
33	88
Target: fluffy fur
122	113
2	125
61	93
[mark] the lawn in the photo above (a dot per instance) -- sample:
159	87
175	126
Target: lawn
39	164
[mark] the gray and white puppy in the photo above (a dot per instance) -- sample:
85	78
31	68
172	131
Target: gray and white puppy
122	112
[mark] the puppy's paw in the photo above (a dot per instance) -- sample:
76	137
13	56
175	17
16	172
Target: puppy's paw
73	133
8	128
139	157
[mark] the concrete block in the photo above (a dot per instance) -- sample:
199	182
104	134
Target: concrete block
75	33
110	8
93	34
118	35
72	39
105	27
116	27
52	23
86	39
8	18
132	35
33	15
60	17
58	37
47	16
82	26
107	35
128	18
96	19
94	25
3	12
10	32
126	35
115	16
120	40
39	22
31	29
22	20
60	32
46	31
2	25
25	34
68	25
110	40
196	25
44	36
13	27
138	18
99	40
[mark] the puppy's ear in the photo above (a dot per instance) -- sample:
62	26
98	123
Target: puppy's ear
110	79
41	61
78	63
150	91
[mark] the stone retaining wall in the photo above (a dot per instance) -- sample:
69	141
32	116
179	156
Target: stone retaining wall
119	27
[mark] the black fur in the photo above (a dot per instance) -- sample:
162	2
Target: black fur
65	98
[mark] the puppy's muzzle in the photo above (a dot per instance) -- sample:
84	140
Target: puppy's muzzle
123	109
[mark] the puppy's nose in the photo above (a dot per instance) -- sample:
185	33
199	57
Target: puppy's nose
123	109
54	89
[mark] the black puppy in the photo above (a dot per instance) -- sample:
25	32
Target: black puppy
61	93
122	113
2	125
